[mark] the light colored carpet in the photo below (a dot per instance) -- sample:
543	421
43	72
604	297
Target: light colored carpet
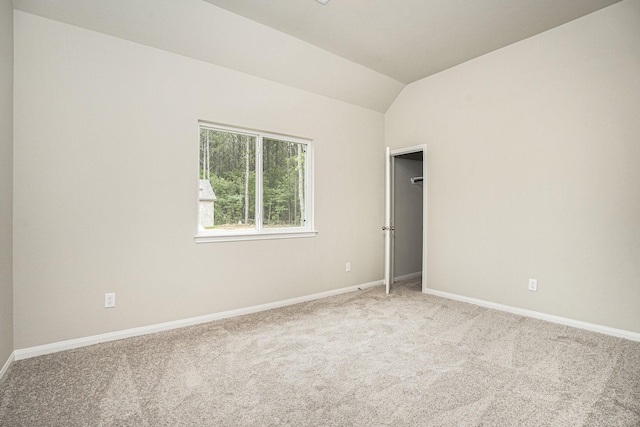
358	359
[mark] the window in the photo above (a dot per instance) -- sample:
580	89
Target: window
253	185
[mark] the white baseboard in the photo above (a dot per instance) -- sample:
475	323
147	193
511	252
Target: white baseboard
40	350
5	368
408	276
620	333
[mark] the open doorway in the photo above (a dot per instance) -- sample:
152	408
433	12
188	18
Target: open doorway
405	215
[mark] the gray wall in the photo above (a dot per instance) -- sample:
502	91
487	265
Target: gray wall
407	217
6	180
105	128
533	170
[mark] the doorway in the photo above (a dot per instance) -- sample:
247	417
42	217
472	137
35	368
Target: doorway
405	215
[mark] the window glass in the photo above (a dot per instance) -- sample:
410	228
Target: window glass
228	164
284	184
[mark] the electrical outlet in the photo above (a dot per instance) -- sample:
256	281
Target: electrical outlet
109	300
533	285
348	267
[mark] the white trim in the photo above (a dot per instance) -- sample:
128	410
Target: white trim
40	350
409	150
253	132
408	276
264	235
620	333
425	211
5	368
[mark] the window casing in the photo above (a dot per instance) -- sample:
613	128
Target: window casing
253	185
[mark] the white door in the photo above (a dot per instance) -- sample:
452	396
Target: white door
388	223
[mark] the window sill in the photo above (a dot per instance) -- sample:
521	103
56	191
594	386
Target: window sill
263	235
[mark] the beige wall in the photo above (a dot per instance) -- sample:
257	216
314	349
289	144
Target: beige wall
533	155
6	180
534	170
105	128
407	217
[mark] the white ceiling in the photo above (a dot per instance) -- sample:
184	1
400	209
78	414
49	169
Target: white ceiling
359	51
411	39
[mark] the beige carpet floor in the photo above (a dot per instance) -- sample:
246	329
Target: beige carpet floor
358	359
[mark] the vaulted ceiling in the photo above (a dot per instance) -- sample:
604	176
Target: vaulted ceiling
359	51
411	39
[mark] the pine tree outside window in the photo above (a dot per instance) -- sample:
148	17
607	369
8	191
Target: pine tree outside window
253	185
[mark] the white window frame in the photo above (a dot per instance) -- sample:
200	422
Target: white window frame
260	233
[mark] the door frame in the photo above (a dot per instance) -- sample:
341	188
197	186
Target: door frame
389	207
